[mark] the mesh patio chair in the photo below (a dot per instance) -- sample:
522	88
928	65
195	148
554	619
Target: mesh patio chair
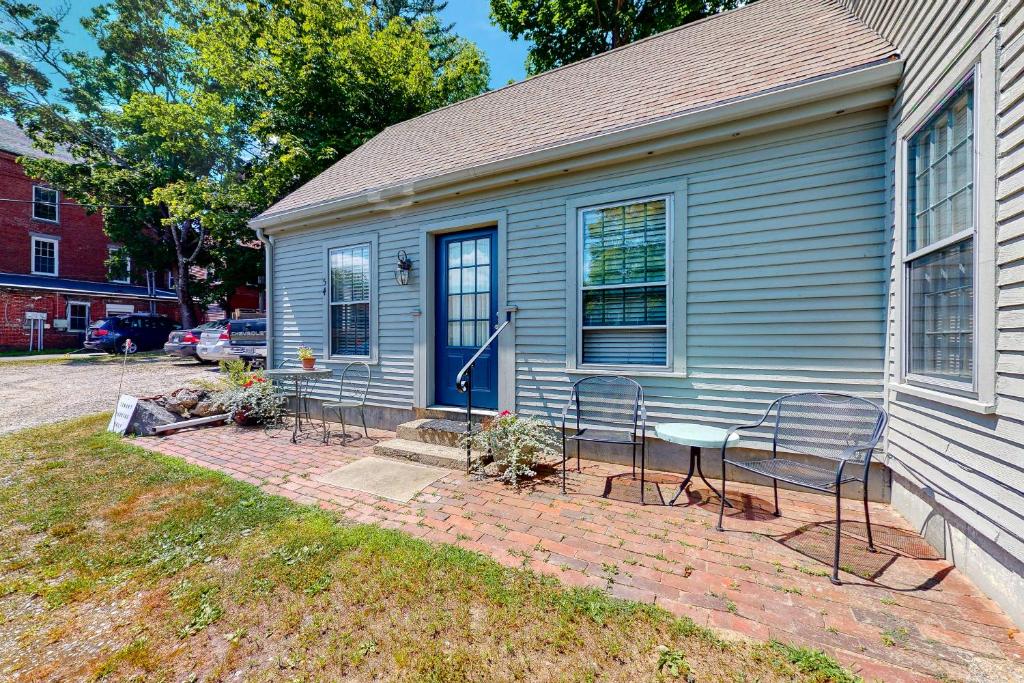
837	427
355	382
607	410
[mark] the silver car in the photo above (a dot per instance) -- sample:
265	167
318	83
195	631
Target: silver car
215	345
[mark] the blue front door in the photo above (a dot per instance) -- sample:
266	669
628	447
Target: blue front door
466	312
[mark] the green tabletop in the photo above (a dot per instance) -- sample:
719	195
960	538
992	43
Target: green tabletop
690	434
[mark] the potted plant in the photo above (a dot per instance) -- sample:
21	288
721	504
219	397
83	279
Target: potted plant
307	357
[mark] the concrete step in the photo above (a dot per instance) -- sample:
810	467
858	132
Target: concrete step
426	453
430	431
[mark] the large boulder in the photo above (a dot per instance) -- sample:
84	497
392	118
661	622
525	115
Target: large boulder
147	416
207	407
182	401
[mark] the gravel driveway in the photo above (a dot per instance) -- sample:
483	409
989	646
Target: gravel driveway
37	393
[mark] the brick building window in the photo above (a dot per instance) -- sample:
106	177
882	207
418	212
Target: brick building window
45	204
44	256
78	316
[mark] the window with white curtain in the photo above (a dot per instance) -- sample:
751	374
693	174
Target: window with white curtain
624	283
350	288
939	259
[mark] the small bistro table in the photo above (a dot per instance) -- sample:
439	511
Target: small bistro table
696	437
301	377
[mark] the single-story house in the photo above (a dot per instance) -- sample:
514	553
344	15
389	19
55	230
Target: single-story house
794	195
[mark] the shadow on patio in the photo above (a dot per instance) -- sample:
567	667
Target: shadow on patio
902	614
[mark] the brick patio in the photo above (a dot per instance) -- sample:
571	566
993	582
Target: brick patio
904	615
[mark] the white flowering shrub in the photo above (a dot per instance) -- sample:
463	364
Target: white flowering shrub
517	444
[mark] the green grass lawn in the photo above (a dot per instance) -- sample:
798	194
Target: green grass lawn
121	564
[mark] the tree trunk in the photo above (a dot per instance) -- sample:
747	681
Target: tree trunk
181	288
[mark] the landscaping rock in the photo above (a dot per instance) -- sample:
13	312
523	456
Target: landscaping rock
148	414
184	400
207	407
492	469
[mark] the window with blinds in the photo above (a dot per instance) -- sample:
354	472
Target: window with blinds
350	287
940	243
624	283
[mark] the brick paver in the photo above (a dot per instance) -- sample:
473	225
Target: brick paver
903	615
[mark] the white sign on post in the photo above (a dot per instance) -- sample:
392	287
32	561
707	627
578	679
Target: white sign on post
122	416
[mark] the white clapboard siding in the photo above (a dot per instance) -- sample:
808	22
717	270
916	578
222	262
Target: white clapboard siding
973	464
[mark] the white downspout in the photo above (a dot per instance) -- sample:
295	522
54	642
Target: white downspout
268	278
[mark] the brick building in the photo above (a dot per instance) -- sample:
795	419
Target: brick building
54	279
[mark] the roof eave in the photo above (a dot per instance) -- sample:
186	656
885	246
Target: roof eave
866	77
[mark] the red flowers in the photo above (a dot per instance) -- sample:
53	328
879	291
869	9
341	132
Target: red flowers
249	382
505	413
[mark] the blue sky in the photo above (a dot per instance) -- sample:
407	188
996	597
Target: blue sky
471	18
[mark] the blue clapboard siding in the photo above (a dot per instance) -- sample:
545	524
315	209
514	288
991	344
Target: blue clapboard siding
785	285
963	467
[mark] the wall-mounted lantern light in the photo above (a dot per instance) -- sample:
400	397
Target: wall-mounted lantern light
403	268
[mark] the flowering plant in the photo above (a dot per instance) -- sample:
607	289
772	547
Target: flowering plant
516	443
251	398
305	353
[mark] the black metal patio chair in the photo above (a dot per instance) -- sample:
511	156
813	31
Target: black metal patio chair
355	383
608	409
837	427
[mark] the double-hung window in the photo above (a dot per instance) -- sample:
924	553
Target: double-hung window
624	283
351	282
78	316
45	204
44	255
940	246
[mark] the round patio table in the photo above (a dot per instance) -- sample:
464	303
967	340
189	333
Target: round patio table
301	377
696	437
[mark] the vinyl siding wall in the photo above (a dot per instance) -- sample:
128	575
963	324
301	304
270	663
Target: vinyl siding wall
959	474
784	283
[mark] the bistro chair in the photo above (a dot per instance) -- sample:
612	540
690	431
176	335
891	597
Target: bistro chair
839	428
355	383
607	409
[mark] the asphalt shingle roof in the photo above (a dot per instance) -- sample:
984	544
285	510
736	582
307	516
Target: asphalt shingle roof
761	47
15	141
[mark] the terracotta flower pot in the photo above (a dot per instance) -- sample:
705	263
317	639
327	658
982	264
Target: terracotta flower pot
307	363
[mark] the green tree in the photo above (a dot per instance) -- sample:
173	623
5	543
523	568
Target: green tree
317	78
152	135
565	31
191	117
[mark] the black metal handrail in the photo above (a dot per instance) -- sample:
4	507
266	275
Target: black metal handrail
464	385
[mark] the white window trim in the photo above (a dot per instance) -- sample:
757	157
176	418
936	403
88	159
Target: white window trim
979	396
56	204
674	192
56	255
113	249
88	315
372	357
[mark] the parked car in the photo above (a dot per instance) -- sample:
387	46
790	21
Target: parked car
131	333
249	341
216	345
182	343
